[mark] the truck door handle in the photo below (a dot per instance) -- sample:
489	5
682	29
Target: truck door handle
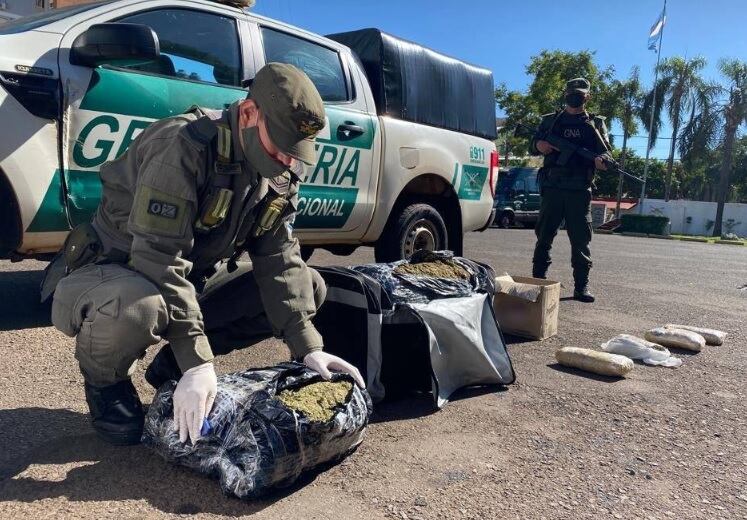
348	130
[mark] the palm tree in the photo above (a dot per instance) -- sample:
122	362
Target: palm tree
686	97
733	114
631	97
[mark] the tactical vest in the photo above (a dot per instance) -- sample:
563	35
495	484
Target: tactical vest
234	206
576	175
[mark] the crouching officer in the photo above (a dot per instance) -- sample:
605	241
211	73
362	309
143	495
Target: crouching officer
566	188
159	260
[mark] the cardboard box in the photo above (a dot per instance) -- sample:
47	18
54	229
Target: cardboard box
528	308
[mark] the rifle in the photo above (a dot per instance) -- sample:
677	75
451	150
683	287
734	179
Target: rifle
567	148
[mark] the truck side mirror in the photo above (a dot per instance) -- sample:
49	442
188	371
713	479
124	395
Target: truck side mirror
108	42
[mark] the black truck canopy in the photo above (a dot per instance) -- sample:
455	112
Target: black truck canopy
417	84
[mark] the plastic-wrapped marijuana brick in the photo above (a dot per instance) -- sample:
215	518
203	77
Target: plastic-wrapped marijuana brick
430	275
267	426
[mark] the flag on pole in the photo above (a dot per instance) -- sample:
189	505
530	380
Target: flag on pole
654	37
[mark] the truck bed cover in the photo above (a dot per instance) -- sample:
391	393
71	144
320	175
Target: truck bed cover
417	84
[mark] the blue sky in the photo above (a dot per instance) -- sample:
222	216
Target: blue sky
503	35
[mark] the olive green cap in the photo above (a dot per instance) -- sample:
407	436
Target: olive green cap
578	84
293	109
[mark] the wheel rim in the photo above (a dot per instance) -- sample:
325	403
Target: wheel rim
505	221
422	234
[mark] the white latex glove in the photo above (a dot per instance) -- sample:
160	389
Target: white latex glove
193	400
323	362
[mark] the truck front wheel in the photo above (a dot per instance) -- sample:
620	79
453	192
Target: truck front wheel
418	226
504	219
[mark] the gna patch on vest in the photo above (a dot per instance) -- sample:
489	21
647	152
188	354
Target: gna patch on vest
162	209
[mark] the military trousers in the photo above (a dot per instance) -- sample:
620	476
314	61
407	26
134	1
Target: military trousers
115	314
573	206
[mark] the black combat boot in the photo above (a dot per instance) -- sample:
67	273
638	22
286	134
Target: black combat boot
116	412
582	294
163	368
581	291
539	271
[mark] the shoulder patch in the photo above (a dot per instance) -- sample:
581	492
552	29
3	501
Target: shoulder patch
160	213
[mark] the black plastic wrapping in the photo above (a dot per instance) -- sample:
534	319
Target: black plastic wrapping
256	443
406	288
414	83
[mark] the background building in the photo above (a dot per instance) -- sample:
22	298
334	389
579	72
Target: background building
27	7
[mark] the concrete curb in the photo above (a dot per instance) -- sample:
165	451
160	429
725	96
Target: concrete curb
670	237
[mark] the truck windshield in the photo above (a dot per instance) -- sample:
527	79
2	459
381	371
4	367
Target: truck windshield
507	183
34	21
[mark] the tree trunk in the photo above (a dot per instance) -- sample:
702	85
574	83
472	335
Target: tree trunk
507	157
621	176
670	160
723	185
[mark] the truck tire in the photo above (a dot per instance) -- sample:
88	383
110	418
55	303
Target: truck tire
504	219
418	226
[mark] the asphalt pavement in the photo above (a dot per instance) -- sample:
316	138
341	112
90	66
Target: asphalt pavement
662	443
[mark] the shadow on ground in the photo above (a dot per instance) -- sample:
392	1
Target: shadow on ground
583	373
514	340
91	470
20	307
101	472
422	405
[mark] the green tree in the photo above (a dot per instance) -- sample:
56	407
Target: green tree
733	114
686	97
630	95
606	183
739	175
549	72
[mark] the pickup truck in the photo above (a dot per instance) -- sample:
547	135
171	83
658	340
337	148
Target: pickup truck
406	160
517	198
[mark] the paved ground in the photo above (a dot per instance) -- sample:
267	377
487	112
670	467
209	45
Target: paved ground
660	444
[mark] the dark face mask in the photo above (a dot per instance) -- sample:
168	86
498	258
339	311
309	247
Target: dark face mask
574	99
256	155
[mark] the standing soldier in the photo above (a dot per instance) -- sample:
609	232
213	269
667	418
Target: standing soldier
159	260
566	188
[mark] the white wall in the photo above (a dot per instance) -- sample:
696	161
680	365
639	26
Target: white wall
701	213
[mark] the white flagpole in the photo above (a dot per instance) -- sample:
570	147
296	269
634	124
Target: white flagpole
653	109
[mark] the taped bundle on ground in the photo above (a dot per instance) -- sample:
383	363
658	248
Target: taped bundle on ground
267	427
430	275
711	336
676	338
601	363
638	348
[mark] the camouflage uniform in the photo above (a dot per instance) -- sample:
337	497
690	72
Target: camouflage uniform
177	209
566	191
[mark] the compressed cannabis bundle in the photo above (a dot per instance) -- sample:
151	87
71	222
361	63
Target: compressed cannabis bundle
431	275
438	269
317	401
267	426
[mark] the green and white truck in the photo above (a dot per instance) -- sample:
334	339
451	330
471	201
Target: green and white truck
406	160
